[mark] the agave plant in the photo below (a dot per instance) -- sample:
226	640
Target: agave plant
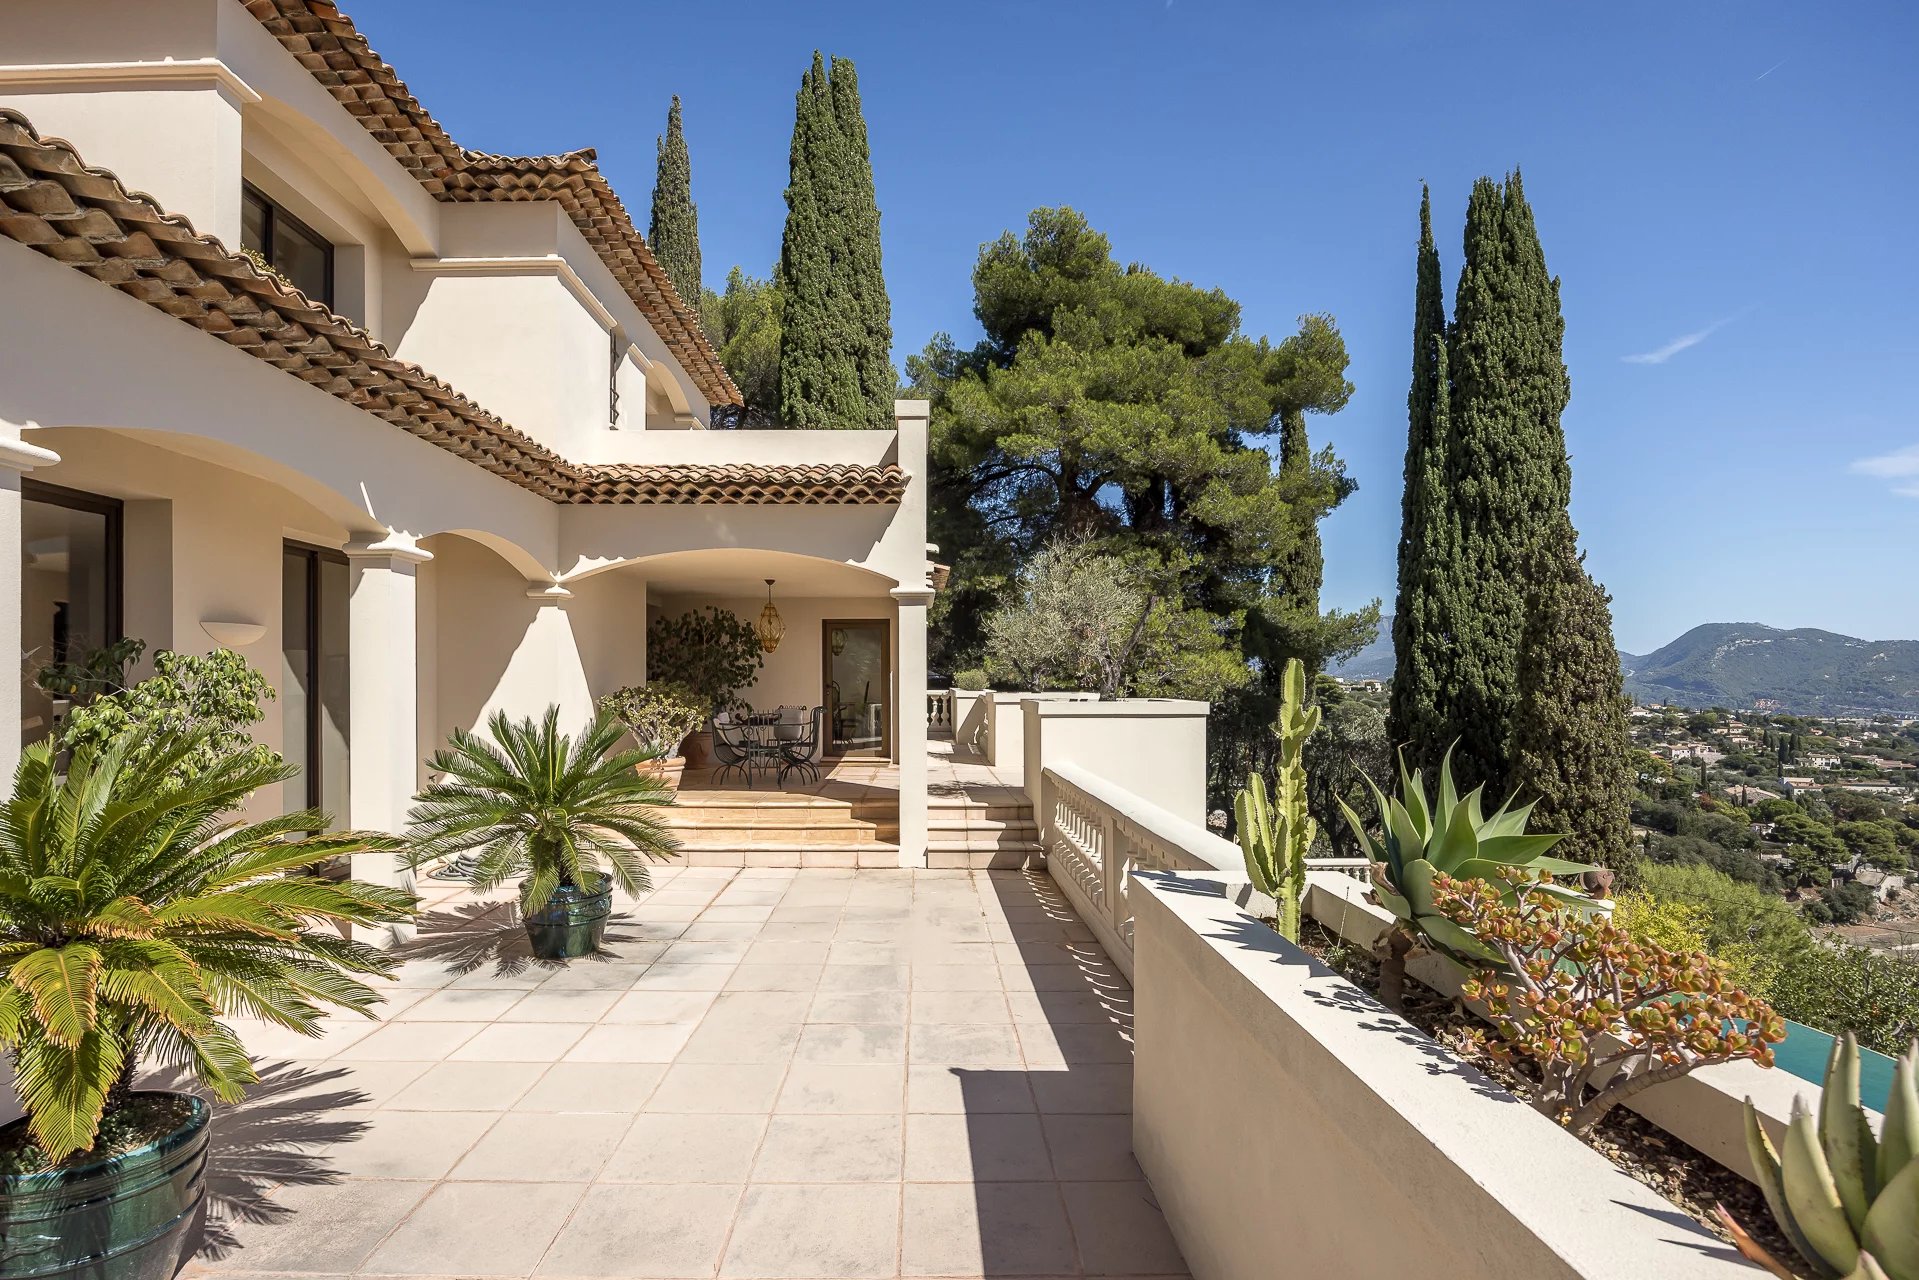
1421	838
1848	1201
538	803
1274	836
135	914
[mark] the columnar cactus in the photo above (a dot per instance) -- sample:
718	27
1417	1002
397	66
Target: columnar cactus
1844	1198
1275	837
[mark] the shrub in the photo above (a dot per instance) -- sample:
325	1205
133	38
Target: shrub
710	652
1838	987
659	715
212	698
1601	1014
972	680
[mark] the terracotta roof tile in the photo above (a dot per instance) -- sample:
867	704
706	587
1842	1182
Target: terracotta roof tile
325	42
53	203
738	484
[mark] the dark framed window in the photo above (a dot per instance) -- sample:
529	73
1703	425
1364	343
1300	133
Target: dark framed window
289	245
71	581
316	728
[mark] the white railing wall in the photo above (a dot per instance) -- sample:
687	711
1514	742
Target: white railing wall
1097	834
939	713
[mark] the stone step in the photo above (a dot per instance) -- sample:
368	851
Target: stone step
775	855
936	822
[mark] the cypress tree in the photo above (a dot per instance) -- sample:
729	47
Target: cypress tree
674	232
1570	747
1420	633
1507	475
873	357
836	328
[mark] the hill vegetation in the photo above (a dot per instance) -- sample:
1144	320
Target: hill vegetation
1802	672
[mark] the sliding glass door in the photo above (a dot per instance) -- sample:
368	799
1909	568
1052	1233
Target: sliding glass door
315	731
859	687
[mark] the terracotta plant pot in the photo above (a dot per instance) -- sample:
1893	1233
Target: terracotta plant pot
572	922
121	1217
698	749
668	769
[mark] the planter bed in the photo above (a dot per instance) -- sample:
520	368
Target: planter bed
1289	1124
1690	1179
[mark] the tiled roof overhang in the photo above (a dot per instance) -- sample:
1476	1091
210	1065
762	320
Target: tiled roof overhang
84	217
326	43
740	484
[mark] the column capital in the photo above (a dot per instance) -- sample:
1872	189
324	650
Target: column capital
912	595
387	546
548	592
18	455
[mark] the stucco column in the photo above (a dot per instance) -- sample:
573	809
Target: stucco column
383	657
912	602
16	458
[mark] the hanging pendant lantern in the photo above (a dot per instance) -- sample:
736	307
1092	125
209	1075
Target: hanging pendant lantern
771	628
839	641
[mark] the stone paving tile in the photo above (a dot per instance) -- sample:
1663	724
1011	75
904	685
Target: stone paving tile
769	1075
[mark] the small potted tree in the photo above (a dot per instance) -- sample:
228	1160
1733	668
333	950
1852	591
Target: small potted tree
712	654
570	814
660	716
133	914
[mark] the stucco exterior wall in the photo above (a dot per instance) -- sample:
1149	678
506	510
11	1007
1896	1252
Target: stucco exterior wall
1152	747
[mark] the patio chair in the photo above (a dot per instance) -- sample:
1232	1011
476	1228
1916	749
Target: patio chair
797	753
729	749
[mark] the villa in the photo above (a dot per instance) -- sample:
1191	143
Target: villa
424	432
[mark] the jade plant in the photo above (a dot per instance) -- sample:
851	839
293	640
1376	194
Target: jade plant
1847	1200
1601	1014
659	714
136	915
1276	835
1420	839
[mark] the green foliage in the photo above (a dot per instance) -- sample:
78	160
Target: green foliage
538	803
674	231
743	325
1421	650
1350	747
1082	618
710	652
836	367
212	697
1570	746
1843	1196
135	913
1505	481
972	680
1755	933
94	673
1276	837
1839	988
659	715
1422	836
1107	401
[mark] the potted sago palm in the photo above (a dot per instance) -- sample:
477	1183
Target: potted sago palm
660	715
571	815
136	914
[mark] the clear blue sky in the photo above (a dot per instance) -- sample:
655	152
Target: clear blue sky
1728	191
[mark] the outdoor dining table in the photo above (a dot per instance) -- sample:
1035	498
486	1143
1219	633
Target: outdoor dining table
763	741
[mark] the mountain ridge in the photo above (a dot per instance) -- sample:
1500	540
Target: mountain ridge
1798	670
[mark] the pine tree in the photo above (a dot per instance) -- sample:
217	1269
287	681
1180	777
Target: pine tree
674	233
1421	639
1507	475
836	331
1571	749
